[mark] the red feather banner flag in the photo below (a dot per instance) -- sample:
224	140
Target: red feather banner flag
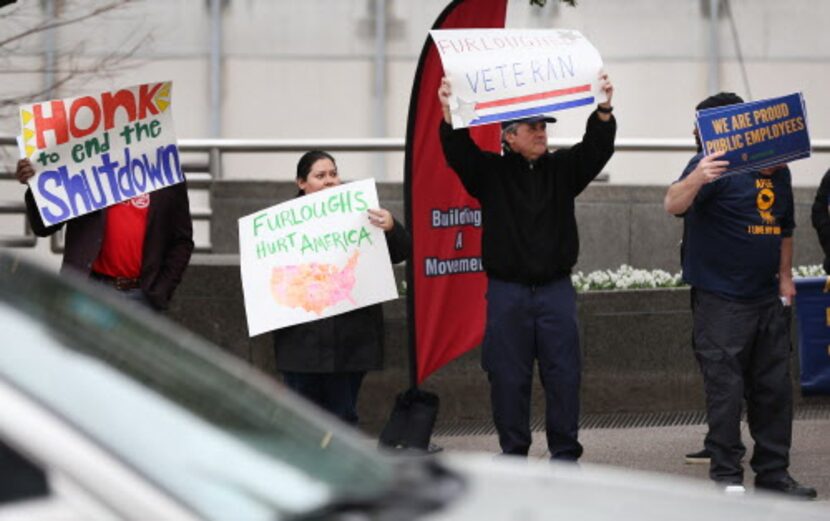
446	283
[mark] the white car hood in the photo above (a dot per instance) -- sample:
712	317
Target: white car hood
502	488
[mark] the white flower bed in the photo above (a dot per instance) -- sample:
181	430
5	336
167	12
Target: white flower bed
808	271
626	277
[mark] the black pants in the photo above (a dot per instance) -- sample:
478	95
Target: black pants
526	324
334	392
744	352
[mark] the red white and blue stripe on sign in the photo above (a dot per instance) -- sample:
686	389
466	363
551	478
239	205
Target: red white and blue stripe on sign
517	107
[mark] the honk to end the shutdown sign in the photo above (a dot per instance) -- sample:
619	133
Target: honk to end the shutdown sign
97	150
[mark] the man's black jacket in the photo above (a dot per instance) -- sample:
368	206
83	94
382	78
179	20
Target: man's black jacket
529	231
168	241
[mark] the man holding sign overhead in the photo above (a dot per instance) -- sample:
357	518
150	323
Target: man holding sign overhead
529	245
737	256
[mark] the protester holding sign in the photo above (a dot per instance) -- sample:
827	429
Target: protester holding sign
529	245
139	247
737	256
325	360
107	166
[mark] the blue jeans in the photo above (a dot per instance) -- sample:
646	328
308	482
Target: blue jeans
334	392
526	324
136	295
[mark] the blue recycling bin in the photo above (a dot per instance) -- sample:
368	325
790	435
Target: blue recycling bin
812	304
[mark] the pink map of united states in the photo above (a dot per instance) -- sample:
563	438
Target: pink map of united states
315	286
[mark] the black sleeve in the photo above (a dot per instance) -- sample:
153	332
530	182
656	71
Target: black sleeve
38	227
820	216
585	159
468	161
179	242
400	244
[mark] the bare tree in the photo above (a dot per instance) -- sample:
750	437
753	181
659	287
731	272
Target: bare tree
25	27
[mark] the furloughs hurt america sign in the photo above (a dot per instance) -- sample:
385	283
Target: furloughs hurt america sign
93	151
313	257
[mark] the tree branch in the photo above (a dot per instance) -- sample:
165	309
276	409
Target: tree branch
67	21
71	64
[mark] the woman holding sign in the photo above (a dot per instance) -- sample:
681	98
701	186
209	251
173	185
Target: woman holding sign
326	360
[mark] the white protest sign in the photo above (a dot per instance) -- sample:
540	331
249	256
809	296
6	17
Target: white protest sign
94	151
313	257
503	74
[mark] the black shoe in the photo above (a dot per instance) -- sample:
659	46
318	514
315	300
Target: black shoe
699	457
787	485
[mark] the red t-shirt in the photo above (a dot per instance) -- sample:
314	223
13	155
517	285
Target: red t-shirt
123	241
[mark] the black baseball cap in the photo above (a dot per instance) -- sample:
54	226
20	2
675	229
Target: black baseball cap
721	99
531	119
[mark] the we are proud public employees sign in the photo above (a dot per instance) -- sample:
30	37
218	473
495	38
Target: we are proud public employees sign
503	74
94	151
758	134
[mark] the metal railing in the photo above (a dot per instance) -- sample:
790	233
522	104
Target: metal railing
201	172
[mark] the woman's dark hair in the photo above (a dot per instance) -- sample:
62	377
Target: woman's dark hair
307	161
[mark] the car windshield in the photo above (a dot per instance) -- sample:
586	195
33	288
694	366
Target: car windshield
216	434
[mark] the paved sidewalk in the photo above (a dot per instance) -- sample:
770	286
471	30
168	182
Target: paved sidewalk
661	449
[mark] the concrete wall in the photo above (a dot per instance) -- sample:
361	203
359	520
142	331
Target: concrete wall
627	225
617	224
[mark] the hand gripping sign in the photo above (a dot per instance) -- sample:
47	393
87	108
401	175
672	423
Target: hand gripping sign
757	134
94	151
503	74
313	257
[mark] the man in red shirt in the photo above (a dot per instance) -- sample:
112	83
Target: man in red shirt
139	247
